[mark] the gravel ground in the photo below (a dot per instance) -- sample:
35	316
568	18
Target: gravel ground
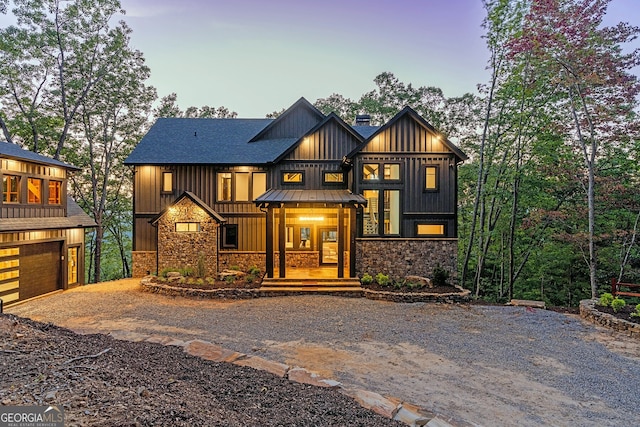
482	364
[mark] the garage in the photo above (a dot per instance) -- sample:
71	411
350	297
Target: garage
30	270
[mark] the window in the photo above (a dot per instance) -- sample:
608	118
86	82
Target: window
333	177
230	236
187	227
224	187
370	171
430	230
390	213
10	189
292	177
431	178
34	193
371	214
55	192
167	182
392	171
259	183
242	186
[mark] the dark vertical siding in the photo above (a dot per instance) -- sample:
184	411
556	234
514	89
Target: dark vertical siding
331	142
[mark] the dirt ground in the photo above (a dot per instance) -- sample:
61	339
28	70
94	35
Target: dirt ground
482	365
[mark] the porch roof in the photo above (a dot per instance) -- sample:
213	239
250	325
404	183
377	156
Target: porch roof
288	197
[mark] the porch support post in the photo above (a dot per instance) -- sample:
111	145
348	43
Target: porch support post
340	242
352	241
269	242
282	241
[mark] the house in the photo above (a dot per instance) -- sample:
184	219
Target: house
304	190
41	228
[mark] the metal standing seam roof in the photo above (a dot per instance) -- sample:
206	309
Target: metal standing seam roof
14	151
206	141
310	196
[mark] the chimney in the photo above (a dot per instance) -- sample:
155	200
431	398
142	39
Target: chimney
363	120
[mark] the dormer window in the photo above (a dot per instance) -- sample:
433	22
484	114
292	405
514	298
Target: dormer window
10	189
55	192
34	190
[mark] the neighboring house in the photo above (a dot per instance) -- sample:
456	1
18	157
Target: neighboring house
242	192
41	228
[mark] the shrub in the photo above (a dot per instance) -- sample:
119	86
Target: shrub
382	279
399	284
234	267
230	279
186	271
250	278
211	280
440	276
366	279
164	271
637	312
254	271
605	299
617	304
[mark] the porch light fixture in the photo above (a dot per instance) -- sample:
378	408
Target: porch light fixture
311	218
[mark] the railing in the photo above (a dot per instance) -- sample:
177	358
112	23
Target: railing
615	289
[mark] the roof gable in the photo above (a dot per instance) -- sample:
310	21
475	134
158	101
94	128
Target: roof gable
196	200
426	137
294	122
326	138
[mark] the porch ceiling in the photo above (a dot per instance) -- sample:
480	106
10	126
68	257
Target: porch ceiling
288	197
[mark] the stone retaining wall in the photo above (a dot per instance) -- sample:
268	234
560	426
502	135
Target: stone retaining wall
588	311
243	260
403	257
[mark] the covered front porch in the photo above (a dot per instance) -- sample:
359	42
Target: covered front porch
310	232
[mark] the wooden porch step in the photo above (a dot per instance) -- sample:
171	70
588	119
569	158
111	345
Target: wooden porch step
314	283
355	291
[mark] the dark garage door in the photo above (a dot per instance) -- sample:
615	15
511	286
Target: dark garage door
39	269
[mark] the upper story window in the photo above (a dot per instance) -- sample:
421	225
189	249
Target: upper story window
292	177
224	186
392	171
187	227
10	189
55	192
370	171
167	182
333	177
382	215
34	190
431	178
241	186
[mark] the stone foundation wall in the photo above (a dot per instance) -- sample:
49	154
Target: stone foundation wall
244	260
302	259
589	312
401	257
144	263
186	249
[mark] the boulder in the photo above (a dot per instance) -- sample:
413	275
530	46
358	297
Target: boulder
424	281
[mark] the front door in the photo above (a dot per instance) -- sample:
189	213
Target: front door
328	245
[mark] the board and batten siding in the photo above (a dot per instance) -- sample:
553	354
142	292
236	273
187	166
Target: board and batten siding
202	181
293	125
330	142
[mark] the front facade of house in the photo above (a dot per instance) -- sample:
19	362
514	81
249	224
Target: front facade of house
302	191
41	228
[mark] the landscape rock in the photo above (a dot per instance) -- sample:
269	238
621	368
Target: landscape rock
424	281
256	362
209	351
374	401
304	376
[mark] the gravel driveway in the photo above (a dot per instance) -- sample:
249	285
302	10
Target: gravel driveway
482	364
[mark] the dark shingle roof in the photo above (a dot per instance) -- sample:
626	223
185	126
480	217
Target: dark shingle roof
366	131
202	141
76	218
14	151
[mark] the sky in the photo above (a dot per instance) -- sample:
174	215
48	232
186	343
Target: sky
259	56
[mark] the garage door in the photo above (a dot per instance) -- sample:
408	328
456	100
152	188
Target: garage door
30	270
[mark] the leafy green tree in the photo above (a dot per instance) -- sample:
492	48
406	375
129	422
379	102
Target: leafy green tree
168	107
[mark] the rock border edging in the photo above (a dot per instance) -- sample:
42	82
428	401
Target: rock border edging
387	406
236	293
589	312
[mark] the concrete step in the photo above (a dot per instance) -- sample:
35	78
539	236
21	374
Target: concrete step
277	283
306	290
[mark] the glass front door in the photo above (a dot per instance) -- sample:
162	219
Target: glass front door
328	246
72	265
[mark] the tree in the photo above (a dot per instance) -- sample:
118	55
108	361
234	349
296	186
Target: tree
168	107
593	75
